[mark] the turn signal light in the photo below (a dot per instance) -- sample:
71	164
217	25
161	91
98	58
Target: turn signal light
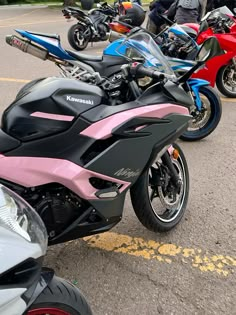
117	27
175	154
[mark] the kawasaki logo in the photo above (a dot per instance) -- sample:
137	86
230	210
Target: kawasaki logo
127	172
79	100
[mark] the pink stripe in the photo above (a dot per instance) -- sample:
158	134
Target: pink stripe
35	171
52	116
103	128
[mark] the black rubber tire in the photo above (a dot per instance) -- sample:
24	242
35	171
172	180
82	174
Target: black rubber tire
214	119
27	87
64	296
220	84
87	4
142	206
72	37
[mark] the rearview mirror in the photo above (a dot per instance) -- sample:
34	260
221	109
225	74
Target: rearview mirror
209	49
203	27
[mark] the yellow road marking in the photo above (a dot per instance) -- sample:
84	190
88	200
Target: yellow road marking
19	16
164	253
224	99
14	80
31	23
227	99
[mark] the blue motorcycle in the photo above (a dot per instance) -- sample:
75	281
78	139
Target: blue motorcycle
206	109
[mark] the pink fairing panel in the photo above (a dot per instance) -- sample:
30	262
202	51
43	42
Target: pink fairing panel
52	116
35	171
103	128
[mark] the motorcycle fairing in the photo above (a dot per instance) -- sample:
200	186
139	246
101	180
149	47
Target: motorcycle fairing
128	162
49	107
180	65
50	42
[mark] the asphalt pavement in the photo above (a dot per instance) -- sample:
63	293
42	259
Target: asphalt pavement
129	270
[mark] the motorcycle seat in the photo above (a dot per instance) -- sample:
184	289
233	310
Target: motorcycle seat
7	143
73	9
54	36
84	57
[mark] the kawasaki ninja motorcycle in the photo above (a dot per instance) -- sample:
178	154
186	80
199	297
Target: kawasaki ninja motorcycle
73	151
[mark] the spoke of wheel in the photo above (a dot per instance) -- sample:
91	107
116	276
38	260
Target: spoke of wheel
152	194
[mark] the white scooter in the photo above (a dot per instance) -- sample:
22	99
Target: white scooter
25	287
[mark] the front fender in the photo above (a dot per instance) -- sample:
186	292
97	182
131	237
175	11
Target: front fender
195	85
46	277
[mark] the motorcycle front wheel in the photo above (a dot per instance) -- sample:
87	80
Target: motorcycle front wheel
76	37
206	120
60	298
226	80
157	202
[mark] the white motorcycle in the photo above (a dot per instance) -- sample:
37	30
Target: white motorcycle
25	287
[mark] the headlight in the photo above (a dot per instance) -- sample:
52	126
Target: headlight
18	216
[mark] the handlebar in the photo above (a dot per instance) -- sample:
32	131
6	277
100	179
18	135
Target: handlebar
139	69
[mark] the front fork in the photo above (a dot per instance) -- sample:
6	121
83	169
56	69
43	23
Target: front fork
166	159
232	72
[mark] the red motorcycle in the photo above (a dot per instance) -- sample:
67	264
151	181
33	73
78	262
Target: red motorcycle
220	70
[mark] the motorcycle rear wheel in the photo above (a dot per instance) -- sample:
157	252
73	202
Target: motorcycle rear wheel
60	298
154	204
222	80
206	121
76	38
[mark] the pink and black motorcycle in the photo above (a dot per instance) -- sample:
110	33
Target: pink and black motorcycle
73	150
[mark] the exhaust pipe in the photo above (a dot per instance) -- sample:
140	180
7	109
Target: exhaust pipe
114	36
27	47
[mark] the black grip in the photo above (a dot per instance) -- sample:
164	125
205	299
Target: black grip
141	70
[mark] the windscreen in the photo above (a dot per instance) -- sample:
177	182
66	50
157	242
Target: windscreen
223	11
142	45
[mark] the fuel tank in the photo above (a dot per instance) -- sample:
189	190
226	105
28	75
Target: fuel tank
49	106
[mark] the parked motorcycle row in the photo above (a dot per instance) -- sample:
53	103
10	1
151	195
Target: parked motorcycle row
72	146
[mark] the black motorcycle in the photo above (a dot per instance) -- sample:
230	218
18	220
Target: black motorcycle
91	27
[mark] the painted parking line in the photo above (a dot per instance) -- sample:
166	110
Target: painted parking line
30	23
227	99
202	260
224	99
20	16
14	80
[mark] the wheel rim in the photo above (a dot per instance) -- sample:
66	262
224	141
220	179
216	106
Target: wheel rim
47	311
202	117
79	38
166	207
229	79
